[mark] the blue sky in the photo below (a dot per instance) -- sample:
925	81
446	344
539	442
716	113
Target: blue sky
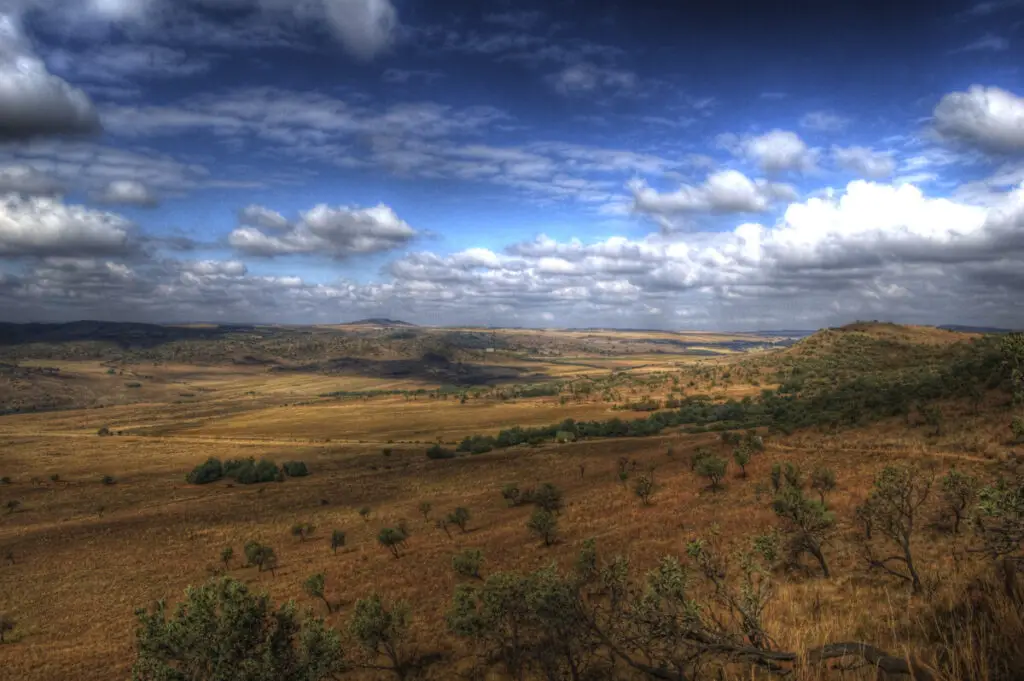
736	165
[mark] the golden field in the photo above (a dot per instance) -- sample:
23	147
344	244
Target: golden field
86	554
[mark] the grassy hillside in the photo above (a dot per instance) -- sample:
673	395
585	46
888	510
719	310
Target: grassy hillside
95	525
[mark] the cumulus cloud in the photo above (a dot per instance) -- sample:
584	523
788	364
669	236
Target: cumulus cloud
24	179
585	78
128	193
262	217
774	151
986	117
728	191
33	101
41	226
867	250
338	232
865	162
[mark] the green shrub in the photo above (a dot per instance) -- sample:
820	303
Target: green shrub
209	471
302	530
713	468
108	480
547	497
459	517
544	524
392	539
295	469
468	562
223	626
439	452
263	557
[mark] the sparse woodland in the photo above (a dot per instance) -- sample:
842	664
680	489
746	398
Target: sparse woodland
850	507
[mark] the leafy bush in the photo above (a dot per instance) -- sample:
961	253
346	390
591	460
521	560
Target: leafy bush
250	472
295	469
547	497
263	557
468	562
713	468
544	524
209	471
302	530
223	626
439	452
392	539
459	517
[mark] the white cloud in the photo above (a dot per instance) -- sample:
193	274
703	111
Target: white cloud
865	162
260	216
987	117
128	193
34	102
365	27
338	232
44	226
585	78
774	151
824	121
728	191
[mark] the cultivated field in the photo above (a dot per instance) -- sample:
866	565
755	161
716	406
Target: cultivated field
84	553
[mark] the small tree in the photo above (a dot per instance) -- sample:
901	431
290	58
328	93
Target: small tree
302	530
776	478
12	505
263	557
741	455
893	508
644	488
108	480
364	513
999	520
459	517
337	540
544	524
548	497
315	585
713	468
823	481
467	563
512	495
806	523
425	508
226	555
381	633
224	631
958	494
392	539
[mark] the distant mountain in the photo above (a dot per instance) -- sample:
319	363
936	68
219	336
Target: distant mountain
973	329
379	321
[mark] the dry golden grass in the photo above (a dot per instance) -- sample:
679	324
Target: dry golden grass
78	574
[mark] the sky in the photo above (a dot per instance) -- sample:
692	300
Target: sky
566	163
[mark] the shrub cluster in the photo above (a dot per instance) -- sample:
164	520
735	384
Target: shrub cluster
244	471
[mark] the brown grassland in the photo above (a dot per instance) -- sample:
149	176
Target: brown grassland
84	555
